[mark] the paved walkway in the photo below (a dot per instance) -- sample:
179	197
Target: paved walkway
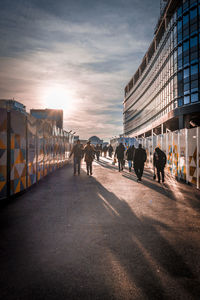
101	237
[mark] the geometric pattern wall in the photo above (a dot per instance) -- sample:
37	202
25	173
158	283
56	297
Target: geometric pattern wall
3	153
31	145
18	152
40	149
181	149
192	156
36	149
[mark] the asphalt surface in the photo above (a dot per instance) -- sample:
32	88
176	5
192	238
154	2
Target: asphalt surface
101	237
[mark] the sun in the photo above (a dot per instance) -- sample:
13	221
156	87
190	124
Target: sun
58	97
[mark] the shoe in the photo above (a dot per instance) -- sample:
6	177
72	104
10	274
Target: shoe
87	173
79	173
158	181
129	169
90	174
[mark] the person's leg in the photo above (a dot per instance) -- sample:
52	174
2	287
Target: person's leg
91	168
74	165
122	164
129	165
163	174
141	171
119	164
79	166
88	168
158	174
136	171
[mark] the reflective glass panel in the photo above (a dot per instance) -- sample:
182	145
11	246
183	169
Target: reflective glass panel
194	97
186	99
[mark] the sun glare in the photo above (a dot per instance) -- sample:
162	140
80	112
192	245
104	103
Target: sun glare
59	97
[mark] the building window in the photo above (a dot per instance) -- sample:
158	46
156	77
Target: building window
180	64
185	26
194	97
186	100
193	49
179	28
180	102
185	5
179	12
193	2
180	83
193	20
186	53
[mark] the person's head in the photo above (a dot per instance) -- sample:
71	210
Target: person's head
88	142
140	146
157	149
78	142
121	144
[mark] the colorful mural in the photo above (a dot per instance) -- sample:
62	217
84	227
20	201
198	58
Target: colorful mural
18	152
31	147
192	155
3	153
40	149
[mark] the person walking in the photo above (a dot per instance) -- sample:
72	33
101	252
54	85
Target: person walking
105	149
101	149
89	157
77	150
159	162
97	149
139	160
110	150
119	152
129	156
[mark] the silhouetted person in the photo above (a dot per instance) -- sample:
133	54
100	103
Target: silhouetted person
139	160
98	150
101	149
89	157
77	150
159	161
110	150
129	156
119	152
105	149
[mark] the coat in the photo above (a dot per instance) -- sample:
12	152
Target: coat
119	152
140	157
77	150
129	153
89	153
159	159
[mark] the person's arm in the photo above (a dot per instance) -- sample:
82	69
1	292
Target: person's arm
71	152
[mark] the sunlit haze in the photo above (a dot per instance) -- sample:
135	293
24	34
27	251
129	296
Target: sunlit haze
74	55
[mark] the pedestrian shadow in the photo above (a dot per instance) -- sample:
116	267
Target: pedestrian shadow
140	236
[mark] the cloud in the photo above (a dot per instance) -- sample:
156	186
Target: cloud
90	50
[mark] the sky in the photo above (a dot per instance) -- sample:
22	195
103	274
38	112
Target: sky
75	55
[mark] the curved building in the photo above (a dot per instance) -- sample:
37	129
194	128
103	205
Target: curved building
164	91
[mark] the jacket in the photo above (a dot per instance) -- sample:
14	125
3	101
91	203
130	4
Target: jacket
77	150
119	152
159	159
140	157
89	153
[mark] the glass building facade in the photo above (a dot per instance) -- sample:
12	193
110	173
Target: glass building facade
164	92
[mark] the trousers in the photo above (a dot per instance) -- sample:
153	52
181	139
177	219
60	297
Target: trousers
139	171
77	161
89	167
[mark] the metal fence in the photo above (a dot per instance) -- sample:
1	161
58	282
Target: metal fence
182	148
29	150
